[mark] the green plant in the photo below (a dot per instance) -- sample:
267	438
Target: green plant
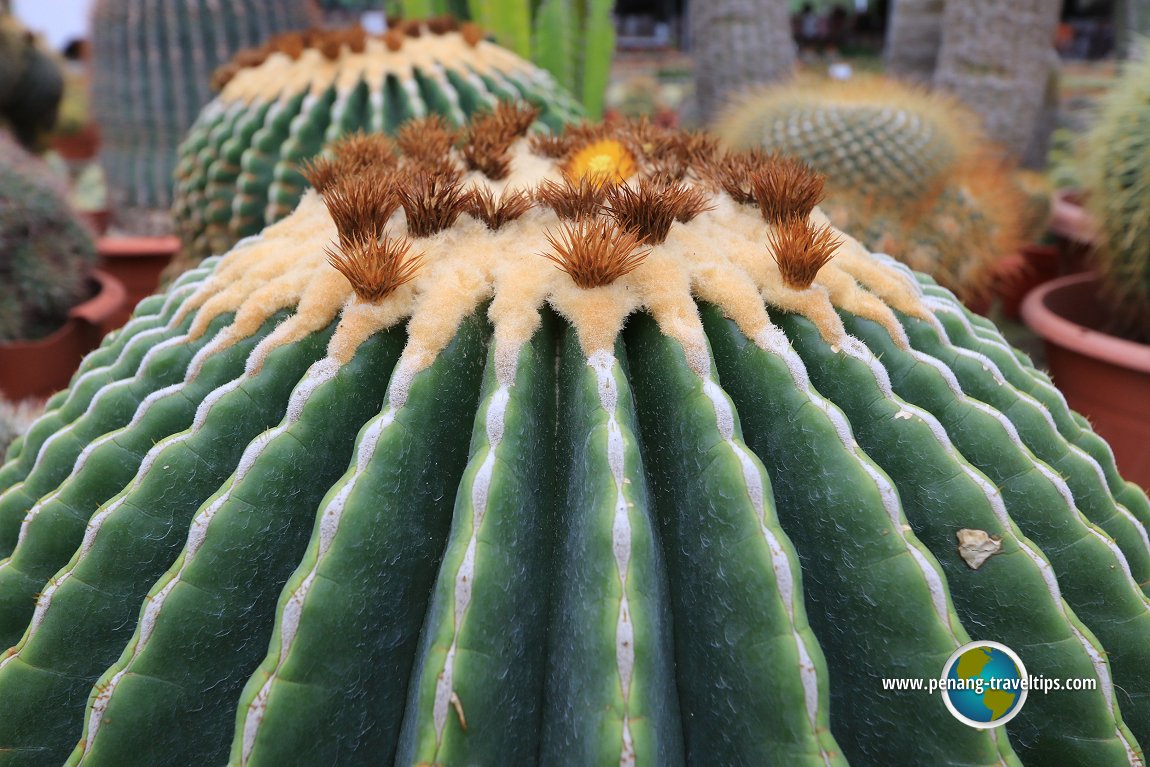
31	83
907	166
240	167
572	39
46	256
15	418
151	73
1116	177
624	457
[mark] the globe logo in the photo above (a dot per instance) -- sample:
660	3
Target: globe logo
984	684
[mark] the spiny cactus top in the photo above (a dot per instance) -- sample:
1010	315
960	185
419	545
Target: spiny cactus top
591	449
908	171
1116	173
239	167
46	254
152	64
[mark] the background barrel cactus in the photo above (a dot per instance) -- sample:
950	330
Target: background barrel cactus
240	167
152	65
1115	172
46	253
909	172
723	472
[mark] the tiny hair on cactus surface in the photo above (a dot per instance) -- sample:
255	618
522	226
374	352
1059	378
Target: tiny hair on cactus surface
545	494
595	251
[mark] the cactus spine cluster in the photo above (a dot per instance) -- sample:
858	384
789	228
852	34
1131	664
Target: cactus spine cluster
1116	174
720	462
908	172
152	66
46	253
240	168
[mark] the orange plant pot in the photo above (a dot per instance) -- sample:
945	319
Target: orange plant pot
1104	377
43	367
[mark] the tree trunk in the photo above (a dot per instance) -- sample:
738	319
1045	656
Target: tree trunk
995	56
1131	22
913	35
737	44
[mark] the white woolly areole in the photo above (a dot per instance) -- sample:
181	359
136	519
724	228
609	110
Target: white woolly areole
605	366
496	406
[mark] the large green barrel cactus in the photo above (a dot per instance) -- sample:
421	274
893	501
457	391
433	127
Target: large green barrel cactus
46	253
240	167
625	457
152	64
909	172
1116	173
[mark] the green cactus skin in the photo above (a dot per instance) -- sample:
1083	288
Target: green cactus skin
908	172
253	529
239	168
1116	175
152	65
46	257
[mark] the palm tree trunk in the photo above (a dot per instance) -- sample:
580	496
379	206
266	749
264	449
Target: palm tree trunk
738	44
912	39
995	56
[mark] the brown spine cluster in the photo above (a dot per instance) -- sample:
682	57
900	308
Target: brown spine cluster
648	209
570	199
595	251
786	188
372	261
494	211
375	267
491	135
432	200
732	173
801	249
427	143
350	155
331	42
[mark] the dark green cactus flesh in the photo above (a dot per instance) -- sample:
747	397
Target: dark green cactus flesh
705	507
152	66
239	168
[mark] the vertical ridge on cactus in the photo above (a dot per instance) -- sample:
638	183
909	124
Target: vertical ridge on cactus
700	514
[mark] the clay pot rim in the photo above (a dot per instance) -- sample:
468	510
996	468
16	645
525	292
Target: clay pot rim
1069	217
1056	329
128	247
110	296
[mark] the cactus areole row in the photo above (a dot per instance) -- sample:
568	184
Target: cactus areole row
720	464
279	104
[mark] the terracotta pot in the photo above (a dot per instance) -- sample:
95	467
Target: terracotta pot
1104	377
1021	272
136	262
40	368
1070	219
80	145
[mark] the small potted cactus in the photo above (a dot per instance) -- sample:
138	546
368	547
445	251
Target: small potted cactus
594	448
1097	325
909	171
53	302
